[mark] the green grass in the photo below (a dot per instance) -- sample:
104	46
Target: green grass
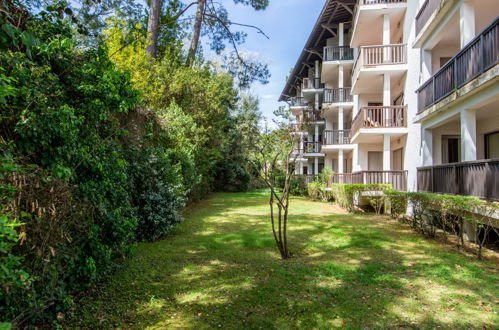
220	269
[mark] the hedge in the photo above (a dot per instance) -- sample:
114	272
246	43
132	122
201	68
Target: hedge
430	212
344	194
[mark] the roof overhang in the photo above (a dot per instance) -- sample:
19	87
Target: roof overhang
334	11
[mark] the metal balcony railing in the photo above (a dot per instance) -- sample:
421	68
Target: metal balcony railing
338	95
338	53
297	102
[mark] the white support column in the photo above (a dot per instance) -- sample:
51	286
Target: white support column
427	147
356	159
317	101
316	165
427	65
386	153
468	135
386	29
341	161
341	34
316	132
340	76
356	106
467	22
300	168
317	69
387	97
340	119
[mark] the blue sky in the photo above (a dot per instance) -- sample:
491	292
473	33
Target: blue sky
288	23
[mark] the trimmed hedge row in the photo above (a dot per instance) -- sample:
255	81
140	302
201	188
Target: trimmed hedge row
344	194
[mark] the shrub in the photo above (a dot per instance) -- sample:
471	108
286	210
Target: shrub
449	212
314	189
297	186
344	194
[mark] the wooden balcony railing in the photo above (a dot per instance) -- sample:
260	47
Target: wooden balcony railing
312	147
377	2
398	179
338	53
297	102
477	178
380	117
337	95
380	55
479	55
312	83
337	137
425	12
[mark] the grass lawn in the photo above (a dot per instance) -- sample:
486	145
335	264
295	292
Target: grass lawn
221	269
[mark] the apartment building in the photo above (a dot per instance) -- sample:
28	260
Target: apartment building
401	92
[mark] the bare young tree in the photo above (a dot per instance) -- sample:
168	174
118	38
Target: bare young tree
274	153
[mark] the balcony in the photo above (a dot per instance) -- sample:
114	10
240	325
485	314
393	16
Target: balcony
368	20
481	54
338	95
338	53
337	137
398	179
312	147
372	61
380	120
425	12
312	84
312	116
298	102
477	178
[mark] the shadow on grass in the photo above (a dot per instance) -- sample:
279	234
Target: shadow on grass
221	269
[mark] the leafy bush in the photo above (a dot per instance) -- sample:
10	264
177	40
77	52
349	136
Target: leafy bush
448	212
297	186
314	190
157	192
344	194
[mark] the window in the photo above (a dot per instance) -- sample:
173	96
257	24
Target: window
451	149
492	145
375	160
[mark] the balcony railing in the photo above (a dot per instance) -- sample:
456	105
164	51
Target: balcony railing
377	2
398	179
337	137
312	147
337	95
310	115
338	53
425	12
478	56
380	117
477	178
312	83
380	55
297	102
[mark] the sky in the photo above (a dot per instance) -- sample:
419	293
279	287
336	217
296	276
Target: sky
288	23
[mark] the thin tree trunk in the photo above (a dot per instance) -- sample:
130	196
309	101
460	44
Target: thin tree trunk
153	27
196	33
